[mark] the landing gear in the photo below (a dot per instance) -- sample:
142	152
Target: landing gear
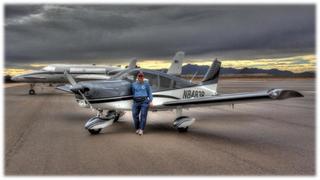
182	123
32	91
95	124
118	114
182	130
94	131
116	117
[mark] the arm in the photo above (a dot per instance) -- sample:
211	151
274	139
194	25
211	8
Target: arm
132	89
149	91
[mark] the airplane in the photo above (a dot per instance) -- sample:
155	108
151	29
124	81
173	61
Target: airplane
107	97
54	73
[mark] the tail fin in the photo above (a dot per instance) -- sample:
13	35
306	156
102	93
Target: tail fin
176	65
212	74
133	63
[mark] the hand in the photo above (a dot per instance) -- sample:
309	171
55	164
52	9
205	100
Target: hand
151	104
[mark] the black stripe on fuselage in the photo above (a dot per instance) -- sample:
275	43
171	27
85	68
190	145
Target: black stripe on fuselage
122	98
209	101
62	73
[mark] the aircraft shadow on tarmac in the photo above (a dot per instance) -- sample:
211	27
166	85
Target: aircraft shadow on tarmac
167	129
196	134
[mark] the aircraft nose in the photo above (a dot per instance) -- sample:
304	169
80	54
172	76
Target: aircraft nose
16	78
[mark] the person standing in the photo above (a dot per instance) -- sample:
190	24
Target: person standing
142	99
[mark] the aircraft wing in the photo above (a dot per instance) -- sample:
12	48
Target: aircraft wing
236	98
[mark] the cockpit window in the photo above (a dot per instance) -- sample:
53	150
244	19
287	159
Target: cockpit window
131	77
165	83
153	80
157	81
126	74
121	74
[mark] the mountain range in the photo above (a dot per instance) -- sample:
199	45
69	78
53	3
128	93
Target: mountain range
191	69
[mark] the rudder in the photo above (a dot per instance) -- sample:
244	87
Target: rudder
212	74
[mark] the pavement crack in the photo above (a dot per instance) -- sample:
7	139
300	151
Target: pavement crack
21	138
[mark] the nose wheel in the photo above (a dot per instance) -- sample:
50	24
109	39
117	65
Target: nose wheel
32	91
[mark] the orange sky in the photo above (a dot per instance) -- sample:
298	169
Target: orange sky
294	64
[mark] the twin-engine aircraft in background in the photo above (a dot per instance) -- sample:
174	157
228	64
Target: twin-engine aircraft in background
108	97
54	74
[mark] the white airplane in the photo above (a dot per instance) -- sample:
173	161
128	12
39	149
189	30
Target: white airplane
54	73
169	93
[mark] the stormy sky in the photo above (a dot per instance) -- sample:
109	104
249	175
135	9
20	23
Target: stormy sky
116	33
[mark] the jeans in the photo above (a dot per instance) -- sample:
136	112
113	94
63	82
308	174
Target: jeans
140	109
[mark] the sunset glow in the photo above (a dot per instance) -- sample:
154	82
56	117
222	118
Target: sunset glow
295	64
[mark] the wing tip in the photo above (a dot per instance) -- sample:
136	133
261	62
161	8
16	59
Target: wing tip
284	94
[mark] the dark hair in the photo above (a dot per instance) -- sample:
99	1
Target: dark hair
140	74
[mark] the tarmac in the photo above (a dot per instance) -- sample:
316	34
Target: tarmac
45	135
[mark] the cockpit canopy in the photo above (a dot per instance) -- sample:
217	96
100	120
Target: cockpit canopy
49	68
158	81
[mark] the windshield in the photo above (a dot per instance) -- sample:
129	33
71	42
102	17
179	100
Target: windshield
120	74
129	73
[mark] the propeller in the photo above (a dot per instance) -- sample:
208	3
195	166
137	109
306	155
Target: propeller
79	88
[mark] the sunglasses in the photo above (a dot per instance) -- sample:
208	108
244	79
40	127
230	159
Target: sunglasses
140	76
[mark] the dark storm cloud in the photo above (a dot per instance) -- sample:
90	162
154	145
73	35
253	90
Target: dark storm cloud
16	11
74	33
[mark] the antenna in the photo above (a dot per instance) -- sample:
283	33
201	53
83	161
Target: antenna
194	75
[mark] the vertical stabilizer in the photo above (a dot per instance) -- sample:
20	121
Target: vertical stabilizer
212	74
176	65
133	63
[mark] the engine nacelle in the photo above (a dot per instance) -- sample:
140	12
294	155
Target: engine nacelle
97	123
183	122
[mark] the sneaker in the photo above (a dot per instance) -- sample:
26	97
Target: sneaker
141	132
137	131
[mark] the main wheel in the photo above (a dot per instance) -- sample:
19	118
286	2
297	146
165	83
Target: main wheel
94	131
31	92
182	130
116	117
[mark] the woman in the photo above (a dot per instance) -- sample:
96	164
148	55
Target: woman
142	99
